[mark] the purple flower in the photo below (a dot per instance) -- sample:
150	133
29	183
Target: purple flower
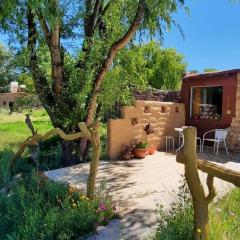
102	207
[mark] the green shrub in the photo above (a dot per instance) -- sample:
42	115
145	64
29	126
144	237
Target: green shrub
33	207
5	175
141	145
50	153
177	223
225	217
27	102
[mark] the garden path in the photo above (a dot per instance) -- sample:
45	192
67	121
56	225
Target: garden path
137	186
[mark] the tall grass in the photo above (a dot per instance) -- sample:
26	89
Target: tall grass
225	217
177	223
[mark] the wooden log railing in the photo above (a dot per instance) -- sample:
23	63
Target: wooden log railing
201	200
215	170
90	133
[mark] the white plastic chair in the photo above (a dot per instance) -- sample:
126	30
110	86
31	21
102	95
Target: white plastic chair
219	136
181	140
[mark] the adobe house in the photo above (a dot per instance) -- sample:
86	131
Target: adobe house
7	99
212	100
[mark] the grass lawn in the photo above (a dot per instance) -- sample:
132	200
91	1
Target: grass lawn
225	217
13	128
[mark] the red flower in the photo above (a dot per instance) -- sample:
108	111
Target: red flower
102	207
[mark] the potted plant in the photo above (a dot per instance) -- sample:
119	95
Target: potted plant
140	150
152	149
148	129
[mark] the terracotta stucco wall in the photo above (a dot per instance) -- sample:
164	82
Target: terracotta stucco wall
163	116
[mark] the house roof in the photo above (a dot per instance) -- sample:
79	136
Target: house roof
210	74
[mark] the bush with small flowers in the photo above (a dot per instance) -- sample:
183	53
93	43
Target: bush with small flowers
33	207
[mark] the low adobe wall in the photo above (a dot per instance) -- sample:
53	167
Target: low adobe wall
163	117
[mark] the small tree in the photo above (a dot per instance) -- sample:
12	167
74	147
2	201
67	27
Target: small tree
81	40
98	30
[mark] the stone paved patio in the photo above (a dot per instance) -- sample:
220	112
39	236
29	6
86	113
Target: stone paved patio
137	186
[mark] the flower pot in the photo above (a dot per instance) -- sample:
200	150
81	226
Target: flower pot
140	152
152	150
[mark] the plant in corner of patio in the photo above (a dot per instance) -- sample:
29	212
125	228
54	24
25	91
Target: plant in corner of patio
177	222
149	129
140	150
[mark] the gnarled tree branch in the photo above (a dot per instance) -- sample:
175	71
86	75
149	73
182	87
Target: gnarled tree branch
110	56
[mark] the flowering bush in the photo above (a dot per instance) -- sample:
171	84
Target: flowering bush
33	207
102	204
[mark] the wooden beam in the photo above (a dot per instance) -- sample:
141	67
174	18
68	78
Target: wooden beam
218	171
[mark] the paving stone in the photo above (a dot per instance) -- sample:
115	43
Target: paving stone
137	186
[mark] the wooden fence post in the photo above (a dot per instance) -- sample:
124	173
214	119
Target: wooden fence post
91	133
200	201
94	161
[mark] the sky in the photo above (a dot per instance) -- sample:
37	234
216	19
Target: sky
212	34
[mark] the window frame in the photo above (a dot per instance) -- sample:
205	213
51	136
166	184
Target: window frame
191	98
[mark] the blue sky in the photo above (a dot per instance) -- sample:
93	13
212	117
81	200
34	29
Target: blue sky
212	34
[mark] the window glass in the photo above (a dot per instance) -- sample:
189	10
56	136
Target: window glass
206	103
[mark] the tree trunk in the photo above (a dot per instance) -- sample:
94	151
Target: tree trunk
115	48
67	153
94	162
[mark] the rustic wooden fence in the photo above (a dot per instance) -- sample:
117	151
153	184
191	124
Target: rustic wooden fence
90	133
201	200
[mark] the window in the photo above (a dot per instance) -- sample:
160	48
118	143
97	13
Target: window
206	103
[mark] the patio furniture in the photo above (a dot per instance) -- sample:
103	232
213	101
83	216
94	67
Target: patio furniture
181	138
219	136
180	135
168	141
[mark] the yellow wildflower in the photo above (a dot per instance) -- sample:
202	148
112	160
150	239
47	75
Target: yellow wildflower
84	198
74	205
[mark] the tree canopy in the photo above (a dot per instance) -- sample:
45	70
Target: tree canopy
80	40
139	66
8	71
